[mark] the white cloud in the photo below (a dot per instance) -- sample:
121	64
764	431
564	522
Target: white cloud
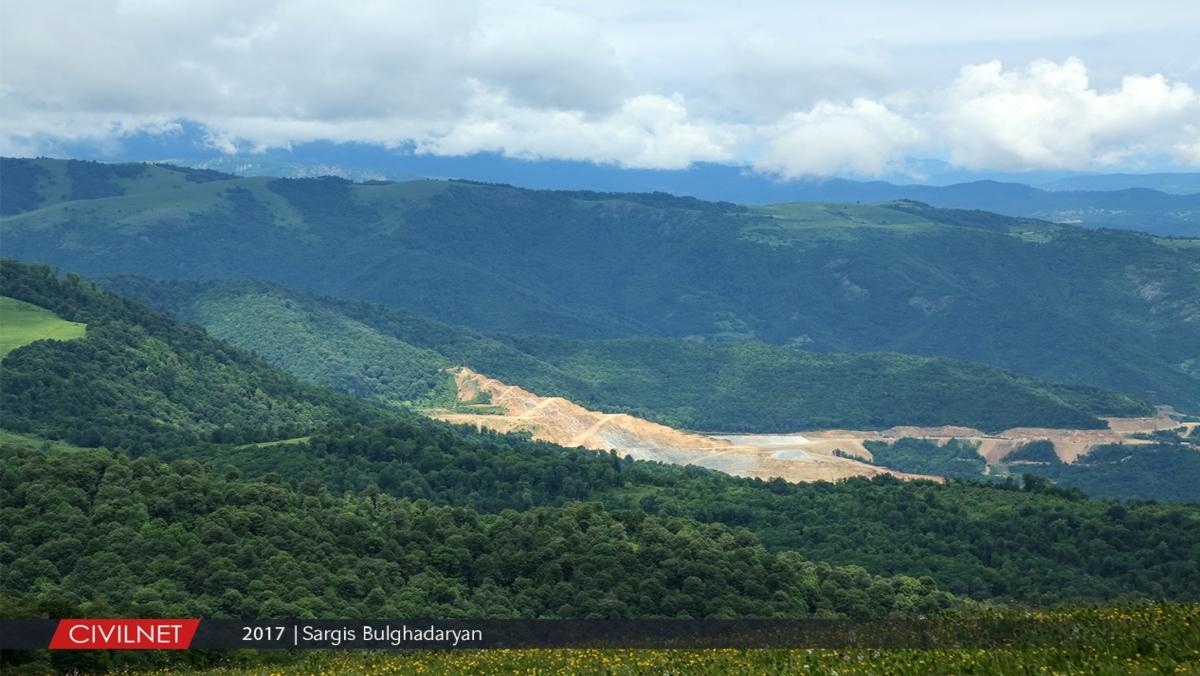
766	75
647	132
863	137
1049	116
1188	152
792	91
547	58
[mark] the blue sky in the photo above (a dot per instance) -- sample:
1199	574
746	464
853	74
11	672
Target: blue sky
794	90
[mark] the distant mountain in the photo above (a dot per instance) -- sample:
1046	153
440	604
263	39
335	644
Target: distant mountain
1162	204
1103	308
1132	208
1174	183
1132	202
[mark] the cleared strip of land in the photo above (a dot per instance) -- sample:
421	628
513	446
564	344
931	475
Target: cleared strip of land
22	323
806	456
1068	444
560	421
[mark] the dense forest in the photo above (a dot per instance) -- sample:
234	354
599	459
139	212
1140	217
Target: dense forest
1025	540
374	351
108	535
955	458
310	338
1102	308
752	386
1168	471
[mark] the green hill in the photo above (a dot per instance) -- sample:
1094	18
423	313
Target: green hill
753	386
22	323
276	551
306	335
1102	308
997	541
139	380
377	352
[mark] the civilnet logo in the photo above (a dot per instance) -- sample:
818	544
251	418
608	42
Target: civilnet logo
124	634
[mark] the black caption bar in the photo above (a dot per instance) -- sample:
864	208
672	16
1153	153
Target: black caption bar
484	634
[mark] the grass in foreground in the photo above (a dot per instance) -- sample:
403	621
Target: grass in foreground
1139	640
22	323
714	662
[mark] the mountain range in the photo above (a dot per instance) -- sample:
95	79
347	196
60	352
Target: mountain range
1103	308
1160	203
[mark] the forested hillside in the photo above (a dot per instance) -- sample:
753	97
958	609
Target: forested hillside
374	351
308	336
1026	540
1103	308
139	380
1166	470
190	541
344	492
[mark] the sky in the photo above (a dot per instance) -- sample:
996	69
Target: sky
791	89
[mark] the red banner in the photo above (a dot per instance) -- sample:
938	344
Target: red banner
123	634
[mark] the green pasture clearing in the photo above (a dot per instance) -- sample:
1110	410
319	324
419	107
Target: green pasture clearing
22	323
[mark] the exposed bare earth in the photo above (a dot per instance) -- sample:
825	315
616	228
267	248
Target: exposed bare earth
560	421
1068	444
795	457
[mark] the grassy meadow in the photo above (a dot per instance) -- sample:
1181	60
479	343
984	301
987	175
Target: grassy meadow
22	323
1144	639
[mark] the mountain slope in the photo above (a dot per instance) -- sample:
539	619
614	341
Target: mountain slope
306	336
989	542
1163	204
32	184
1103	308
1179	183
271	551
374	351
140	380
1133	208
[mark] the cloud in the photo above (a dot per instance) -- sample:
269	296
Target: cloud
794	93
766	75
646	132
1049	116
547	58
863	137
